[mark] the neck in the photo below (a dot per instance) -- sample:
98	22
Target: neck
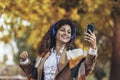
59	46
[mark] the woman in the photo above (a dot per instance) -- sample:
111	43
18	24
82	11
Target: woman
58	60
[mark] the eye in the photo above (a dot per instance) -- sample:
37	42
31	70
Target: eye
62	30
69	32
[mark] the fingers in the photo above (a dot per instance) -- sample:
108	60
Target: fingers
24	55
91	38
90	31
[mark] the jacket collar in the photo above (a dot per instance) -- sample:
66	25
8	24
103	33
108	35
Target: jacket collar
62	63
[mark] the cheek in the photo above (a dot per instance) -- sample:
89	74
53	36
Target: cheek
68	38
69	35
57	35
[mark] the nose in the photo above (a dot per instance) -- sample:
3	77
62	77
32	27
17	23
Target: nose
65	32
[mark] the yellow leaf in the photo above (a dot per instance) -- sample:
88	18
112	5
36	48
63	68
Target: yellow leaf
75	15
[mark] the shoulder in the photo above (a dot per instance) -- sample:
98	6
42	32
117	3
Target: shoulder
79	52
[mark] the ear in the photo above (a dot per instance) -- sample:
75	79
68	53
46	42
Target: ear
73	36
53	31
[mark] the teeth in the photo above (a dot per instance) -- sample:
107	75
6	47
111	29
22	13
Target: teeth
65	37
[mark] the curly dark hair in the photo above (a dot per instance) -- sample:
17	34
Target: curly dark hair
49	41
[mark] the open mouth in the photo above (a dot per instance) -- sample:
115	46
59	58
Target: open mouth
64	37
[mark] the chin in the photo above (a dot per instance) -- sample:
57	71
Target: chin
65	41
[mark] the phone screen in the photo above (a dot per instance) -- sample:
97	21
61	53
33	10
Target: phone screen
90	27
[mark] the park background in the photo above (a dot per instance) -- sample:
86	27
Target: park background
24	22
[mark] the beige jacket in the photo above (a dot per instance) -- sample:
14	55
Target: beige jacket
73	65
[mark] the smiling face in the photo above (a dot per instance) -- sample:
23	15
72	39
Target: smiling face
63	34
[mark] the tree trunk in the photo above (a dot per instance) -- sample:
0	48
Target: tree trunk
115	60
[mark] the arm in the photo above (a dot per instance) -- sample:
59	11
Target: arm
27	67
92	53
26	64
90	61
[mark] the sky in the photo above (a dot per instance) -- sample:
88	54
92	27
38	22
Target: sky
8	49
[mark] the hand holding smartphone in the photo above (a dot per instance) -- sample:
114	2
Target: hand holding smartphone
90	36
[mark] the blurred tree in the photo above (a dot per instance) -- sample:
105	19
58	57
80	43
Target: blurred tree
99	71
115	60
30	19
5	58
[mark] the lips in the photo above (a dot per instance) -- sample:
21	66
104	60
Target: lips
64	37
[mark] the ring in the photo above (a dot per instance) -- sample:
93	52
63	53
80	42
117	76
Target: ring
91	38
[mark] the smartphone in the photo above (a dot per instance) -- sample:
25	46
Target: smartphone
90	27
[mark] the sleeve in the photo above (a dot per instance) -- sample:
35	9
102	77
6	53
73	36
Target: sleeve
24	62
92	51
81	63
90	60
27	67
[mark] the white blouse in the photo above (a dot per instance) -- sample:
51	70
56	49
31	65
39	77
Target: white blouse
50	65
